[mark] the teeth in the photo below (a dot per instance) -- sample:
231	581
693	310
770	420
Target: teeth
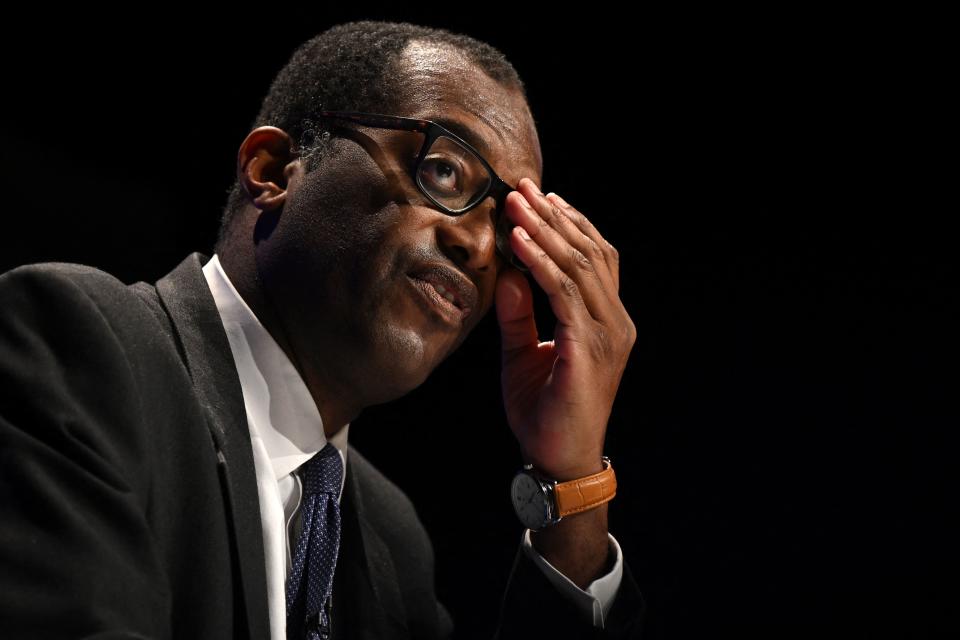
443	292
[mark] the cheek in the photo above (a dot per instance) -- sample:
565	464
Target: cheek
337	217
342	207
330	261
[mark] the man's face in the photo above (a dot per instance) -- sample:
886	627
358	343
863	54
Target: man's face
338	268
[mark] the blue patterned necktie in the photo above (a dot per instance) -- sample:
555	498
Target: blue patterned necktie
310	582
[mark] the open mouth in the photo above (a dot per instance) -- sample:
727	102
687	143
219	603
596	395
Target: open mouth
439	301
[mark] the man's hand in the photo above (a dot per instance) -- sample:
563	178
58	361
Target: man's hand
558	395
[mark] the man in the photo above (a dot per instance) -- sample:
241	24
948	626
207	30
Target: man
159	442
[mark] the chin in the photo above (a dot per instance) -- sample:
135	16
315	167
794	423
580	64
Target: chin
396	382
404	360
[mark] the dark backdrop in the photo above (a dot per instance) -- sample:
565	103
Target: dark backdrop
782	435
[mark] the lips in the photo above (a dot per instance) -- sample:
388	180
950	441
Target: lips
449	291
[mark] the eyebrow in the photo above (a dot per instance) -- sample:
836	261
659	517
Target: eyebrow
464	131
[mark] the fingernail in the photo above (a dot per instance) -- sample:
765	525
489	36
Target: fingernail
524	201
523	233
560	201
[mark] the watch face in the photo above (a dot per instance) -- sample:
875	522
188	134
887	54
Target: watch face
529	501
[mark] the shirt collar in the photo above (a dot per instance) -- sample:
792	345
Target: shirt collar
280	410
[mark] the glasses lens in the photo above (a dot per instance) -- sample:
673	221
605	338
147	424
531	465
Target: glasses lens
452	174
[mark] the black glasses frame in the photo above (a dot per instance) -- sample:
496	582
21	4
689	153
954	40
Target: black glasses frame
431	130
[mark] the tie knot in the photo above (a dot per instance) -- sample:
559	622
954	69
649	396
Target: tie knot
323	473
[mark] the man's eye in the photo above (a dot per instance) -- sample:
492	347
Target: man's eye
442	175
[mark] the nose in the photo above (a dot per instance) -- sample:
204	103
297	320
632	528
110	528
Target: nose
470	238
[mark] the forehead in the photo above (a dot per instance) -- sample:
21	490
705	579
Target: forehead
443	85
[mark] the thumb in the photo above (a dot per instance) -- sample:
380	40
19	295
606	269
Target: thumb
514	302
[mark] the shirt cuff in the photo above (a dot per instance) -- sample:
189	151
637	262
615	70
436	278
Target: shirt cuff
595	602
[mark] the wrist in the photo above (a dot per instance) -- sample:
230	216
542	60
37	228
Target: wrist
578	546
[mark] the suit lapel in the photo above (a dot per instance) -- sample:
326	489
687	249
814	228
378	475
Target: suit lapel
206	351
367	603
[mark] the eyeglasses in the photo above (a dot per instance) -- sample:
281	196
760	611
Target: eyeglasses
448	171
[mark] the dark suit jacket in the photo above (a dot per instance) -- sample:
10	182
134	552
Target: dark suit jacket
128	502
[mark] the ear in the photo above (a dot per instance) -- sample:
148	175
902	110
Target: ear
263	164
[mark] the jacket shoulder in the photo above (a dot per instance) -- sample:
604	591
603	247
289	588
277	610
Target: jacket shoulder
64	280
71	295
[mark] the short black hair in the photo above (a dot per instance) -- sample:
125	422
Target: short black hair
351	67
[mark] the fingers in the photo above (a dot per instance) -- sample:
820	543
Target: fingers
611	257
564	294
564	254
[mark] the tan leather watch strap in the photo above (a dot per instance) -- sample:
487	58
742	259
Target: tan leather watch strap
586	493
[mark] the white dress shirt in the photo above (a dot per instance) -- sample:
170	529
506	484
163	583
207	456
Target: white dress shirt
286	430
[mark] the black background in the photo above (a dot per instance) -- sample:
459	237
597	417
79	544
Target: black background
784	433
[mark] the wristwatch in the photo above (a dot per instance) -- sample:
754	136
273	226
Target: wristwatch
540	502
